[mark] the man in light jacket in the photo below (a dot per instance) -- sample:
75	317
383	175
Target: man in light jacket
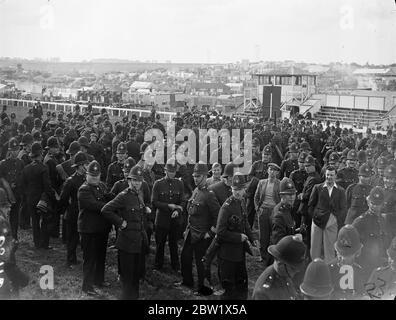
265	199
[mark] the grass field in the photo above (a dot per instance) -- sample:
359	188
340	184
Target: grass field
67	283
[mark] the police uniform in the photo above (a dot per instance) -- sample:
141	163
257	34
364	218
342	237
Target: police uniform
167	191
271	286
231	224
11	277
382	282
221	191
51	162
373	236
35	184
289	165
348	175
106	140
93	228
389	207
11	170
282	222
68	199
259	170
115	170
356	195
129	207
202	209
313	178
358	281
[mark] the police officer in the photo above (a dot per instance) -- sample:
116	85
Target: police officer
122	184
68	200
348	247
96	149
51	162
372	230
389	208
114	171
290	164
259	168
377	179
233	234
127	212
93	229
222	189
317	284
382	282
11	277
282	220
11	179
118	137
35	183
276	283
66	168
298	177
84	147
202	209
313	178
26	144
333	160
168	202
349	174
357	193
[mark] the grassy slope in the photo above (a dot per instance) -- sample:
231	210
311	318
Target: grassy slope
158	285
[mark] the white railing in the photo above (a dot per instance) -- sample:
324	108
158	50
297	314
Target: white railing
69	107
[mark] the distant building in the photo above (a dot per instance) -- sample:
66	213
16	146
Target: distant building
374	79
210	89
295	83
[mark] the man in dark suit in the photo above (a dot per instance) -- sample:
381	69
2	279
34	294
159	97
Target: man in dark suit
36	183
327	207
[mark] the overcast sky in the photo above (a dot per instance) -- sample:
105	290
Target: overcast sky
200	30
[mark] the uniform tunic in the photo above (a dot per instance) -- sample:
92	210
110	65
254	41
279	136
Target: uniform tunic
356	200
271	286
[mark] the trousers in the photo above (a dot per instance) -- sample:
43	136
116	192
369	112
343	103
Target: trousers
324	239
94	247
234	279
129	264
161	235
197	251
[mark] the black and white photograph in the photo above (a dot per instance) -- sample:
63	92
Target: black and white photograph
209	151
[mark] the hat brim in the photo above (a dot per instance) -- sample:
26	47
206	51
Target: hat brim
346	253
79	163
244	186
319	292
275	253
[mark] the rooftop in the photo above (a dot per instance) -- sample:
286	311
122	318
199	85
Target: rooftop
290	71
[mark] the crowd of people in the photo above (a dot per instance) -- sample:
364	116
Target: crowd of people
318	205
